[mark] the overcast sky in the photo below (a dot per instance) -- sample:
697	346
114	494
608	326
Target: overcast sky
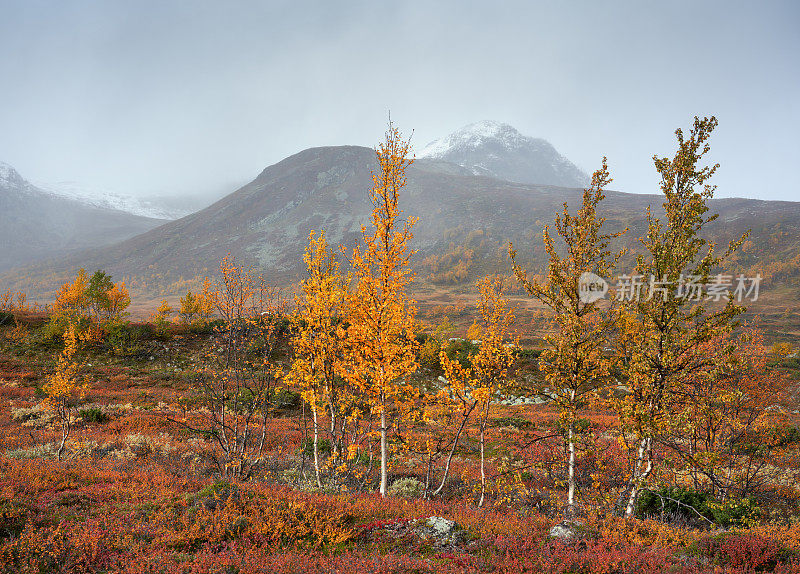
168	97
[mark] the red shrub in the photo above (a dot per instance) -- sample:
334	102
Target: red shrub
745	551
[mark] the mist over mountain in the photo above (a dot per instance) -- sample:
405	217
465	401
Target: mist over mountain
465	224
155	207
498	150
36	225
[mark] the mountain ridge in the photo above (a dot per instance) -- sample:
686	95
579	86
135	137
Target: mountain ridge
465	224
36	225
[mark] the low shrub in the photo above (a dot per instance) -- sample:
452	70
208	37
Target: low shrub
323	446
529	355
460	350
743	551
137	445
13	517
581	425
39	451
124	339
93	415
515	422
408	487
286	399
788	435
36	416
696	507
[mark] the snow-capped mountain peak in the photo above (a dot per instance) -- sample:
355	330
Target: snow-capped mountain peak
9	176
498	150
472	135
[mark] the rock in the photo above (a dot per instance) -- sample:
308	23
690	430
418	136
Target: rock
565	530
441	531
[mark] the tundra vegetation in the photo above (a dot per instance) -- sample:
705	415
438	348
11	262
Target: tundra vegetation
254	430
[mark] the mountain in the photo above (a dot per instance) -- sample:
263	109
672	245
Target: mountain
465	223
498	150
36	225
152	207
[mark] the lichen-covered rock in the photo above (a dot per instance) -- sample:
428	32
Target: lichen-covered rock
565	530
441	531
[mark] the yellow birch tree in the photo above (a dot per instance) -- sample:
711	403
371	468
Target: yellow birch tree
670	321
196	310
63	387
474	386
161	318
380	314
575	365
318	342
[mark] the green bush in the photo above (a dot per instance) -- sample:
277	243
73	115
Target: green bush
323	446
580	426
736	512
790	434
672	500
689	503
124	339
286	399
461	350
407	487
206	327
93	415
53	330
215	488
13	516
516	422
530	355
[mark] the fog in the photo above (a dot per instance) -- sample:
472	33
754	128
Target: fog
174	98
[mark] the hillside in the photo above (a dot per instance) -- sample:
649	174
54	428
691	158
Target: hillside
36	225
465	224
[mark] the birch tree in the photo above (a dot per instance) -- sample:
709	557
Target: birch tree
379	312
473	387
669	319
318	342
575	365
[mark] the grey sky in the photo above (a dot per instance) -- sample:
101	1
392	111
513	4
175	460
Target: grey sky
195	97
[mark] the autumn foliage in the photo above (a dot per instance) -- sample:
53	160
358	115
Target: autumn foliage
251	434
380	315
90	304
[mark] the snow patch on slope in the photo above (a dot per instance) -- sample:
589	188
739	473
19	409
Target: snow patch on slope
110	200
11	180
